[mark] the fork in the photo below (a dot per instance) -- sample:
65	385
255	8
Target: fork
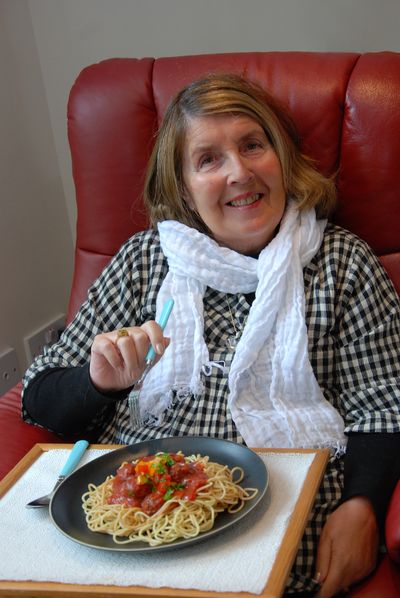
133	400
74	457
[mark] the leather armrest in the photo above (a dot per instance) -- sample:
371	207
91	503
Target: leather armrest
16	436
392	526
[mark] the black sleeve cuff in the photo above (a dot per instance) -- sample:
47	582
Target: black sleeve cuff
371	469
65	401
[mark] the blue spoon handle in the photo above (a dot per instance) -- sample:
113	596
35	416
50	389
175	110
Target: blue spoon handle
74	457
162	322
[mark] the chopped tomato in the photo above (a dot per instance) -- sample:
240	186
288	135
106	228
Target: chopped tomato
142	467
180	471
127	501
192	484
126	470
152	502
155	479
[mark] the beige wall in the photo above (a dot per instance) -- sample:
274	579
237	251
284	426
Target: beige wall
35	234
45	43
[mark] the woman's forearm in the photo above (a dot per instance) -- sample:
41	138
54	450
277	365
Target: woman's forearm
65	401
371	469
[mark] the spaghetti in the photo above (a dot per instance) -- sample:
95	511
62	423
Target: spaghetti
163	497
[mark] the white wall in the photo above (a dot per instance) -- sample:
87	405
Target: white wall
35	235
45	43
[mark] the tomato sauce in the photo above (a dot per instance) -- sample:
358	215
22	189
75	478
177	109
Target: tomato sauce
155	479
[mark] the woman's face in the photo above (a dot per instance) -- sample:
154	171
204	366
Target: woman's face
233	180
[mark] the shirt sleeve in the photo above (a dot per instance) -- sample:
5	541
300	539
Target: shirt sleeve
372	469
353	314
368	341
57	391
81	408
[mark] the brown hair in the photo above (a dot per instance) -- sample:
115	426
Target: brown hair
219	94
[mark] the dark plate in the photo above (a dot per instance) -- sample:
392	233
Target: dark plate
66	505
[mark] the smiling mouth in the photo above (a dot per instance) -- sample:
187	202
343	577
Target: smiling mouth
245	201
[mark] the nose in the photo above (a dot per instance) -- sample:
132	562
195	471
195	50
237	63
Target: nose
240	172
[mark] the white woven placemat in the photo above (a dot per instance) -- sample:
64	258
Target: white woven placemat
31	548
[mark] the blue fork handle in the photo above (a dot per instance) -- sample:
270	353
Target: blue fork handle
74	457
162	322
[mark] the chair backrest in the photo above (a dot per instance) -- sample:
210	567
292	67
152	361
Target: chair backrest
346	107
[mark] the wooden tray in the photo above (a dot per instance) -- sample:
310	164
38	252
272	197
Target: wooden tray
277	578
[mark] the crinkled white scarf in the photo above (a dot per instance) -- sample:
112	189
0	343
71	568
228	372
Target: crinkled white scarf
274	398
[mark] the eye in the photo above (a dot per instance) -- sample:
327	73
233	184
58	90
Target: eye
206	160
254	145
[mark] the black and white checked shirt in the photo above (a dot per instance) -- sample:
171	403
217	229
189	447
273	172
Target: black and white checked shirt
353	323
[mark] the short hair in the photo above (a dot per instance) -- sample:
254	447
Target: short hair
214	94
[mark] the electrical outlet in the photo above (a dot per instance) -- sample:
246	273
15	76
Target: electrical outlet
10	373
45	336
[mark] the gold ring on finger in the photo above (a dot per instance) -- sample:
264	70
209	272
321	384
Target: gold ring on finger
122	332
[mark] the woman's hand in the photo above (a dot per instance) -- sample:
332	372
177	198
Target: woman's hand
348	546
118	361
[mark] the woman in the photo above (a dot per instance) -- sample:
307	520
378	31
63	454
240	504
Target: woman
269	298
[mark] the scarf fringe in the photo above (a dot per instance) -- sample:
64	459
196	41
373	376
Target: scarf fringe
163	403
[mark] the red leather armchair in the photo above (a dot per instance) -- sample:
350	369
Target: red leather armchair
347	110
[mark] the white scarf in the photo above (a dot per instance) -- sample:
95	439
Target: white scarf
274	398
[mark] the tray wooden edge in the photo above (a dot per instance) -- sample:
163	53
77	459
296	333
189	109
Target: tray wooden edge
276	580
290	543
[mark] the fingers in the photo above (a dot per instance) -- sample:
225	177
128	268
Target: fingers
156	337
135	345
328	573
332	585
118	357
130	350
333	568
105	346
348	547
323	557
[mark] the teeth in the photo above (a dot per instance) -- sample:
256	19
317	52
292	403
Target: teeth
246	201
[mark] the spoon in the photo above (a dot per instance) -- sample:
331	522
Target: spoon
74	457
